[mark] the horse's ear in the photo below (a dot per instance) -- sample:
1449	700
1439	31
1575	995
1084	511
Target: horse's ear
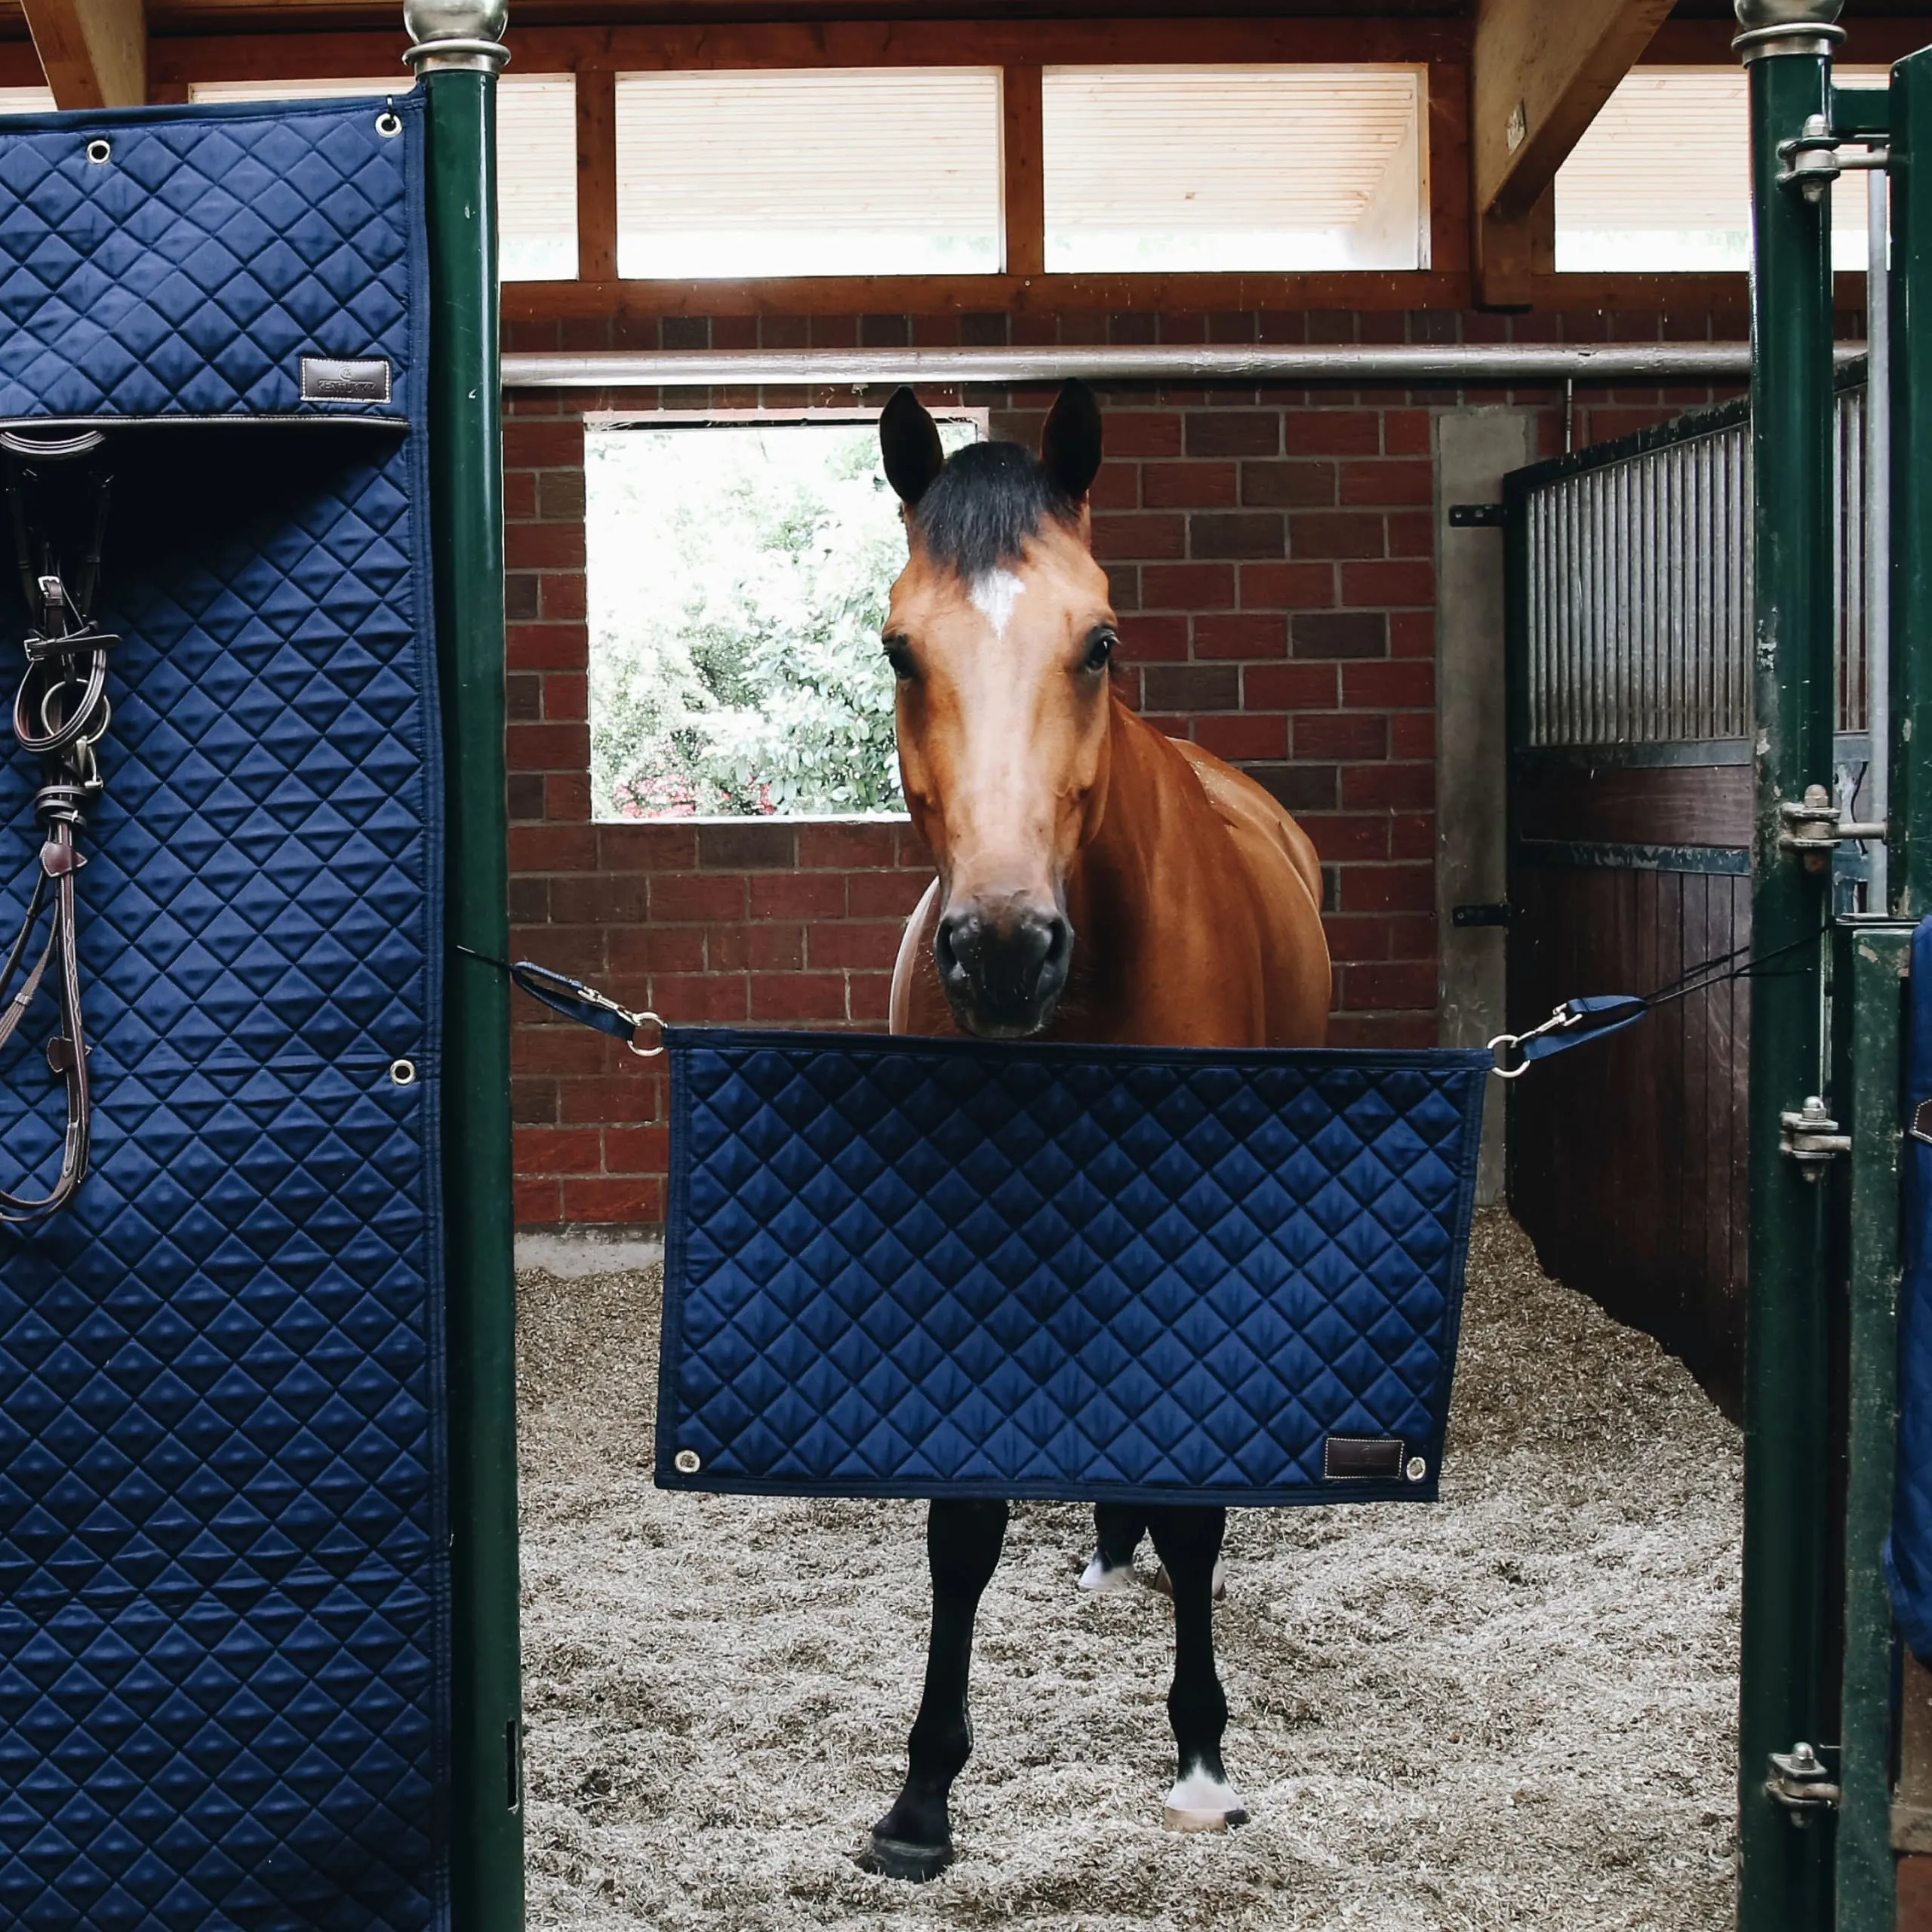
1070	443
909	440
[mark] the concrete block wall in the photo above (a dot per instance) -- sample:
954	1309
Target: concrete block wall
1272	558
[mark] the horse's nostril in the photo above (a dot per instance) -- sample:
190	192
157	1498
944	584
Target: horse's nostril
956	946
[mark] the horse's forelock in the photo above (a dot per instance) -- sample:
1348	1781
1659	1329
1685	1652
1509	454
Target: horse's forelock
977	514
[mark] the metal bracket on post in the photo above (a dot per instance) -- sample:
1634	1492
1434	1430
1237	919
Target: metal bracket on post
1801	1782
1811	1138
1814	828
1816	158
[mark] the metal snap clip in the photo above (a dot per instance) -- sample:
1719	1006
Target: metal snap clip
1417	1469
687	1462
403	1072
99	152
389	125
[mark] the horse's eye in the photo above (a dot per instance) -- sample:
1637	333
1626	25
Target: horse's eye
900	657
1100	649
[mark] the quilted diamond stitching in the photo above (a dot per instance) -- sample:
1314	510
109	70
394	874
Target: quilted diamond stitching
899	1267
222	1567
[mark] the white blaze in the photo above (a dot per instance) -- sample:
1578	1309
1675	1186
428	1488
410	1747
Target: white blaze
994	595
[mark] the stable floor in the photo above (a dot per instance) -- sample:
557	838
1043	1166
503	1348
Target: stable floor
1516	1708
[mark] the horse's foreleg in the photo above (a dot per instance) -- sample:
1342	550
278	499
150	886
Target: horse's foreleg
914	1840
1188	1540
1118	1529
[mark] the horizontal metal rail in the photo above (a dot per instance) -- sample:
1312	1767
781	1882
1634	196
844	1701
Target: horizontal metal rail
1347	365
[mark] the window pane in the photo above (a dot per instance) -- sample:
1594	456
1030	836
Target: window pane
536	157
738	580
1234	168
833	171
1617	210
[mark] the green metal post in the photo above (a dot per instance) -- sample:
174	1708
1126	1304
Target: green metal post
1868	976
1910	812
1784	1880
457	52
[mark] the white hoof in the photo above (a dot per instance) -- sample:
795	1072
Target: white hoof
1165	1585
1101	1579
1202	1803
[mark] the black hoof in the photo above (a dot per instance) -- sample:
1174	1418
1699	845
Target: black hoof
915	1864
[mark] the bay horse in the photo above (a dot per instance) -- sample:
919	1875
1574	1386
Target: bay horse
1097	881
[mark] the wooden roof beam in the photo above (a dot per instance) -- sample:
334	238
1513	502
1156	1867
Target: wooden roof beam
1538	75
94	52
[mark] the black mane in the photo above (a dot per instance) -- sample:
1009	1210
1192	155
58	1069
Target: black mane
979	511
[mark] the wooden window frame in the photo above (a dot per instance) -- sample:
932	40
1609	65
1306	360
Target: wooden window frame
596	55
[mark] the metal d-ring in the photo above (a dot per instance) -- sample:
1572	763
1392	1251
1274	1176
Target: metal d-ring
639	1022
1558	1021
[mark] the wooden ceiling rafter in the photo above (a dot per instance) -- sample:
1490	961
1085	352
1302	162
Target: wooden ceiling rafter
93	52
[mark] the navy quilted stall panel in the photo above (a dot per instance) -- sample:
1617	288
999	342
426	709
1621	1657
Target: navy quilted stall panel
223	1571
1908	1551
933	1268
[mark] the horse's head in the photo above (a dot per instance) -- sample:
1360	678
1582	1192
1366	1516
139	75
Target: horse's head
1000	633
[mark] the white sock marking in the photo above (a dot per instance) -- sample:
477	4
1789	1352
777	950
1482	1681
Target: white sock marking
994	595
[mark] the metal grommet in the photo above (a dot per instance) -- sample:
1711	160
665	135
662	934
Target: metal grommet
99	152
687	1462
389	125
1417	1469
403	1072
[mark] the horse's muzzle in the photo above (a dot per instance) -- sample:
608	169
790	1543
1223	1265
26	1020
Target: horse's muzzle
1003	977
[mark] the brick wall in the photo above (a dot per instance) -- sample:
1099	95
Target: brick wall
1271	555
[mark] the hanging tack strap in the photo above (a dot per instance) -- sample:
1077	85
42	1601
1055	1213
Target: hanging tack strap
1573	1023
61	714
588	1007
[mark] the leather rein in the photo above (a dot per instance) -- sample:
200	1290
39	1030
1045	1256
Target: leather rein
61	714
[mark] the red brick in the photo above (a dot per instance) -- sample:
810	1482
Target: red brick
648	845
1412	634
870	995
519	494
1412	734
1340	838
1333	432
1121	538
1144	432
562	597
567	797
1412	936
706	896
1243	737
799	996
855	943
1368	586
822	846
1116	487
693	998
1407	482
552	848
1340	734
1412	836
1401	787
1156	638
775	949
1408	433
547	647
620	1097
559	1050
1188	586
642	950
1287	486
559	1150
1387	684
1411	533
1233	433
1248	635
1366	1030
1337	533
535	546
547	747
566	697
600	899
633	1200
1387	888
542	444
893	894
637	1150
798	896
1236	534
1186	486
1411	984
1288	688
540	1202
1286	586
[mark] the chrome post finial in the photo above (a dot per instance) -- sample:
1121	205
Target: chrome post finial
456	33
1787	27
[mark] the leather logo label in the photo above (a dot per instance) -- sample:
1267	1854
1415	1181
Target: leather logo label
327	379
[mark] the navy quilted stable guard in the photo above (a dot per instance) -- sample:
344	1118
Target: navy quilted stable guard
914	1268
223	1580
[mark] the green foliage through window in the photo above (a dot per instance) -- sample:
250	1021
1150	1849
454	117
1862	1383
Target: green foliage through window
739	577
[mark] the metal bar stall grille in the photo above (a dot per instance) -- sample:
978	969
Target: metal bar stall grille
1640	558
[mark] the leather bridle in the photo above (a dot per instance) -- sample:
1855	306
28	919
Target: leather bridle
61	713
